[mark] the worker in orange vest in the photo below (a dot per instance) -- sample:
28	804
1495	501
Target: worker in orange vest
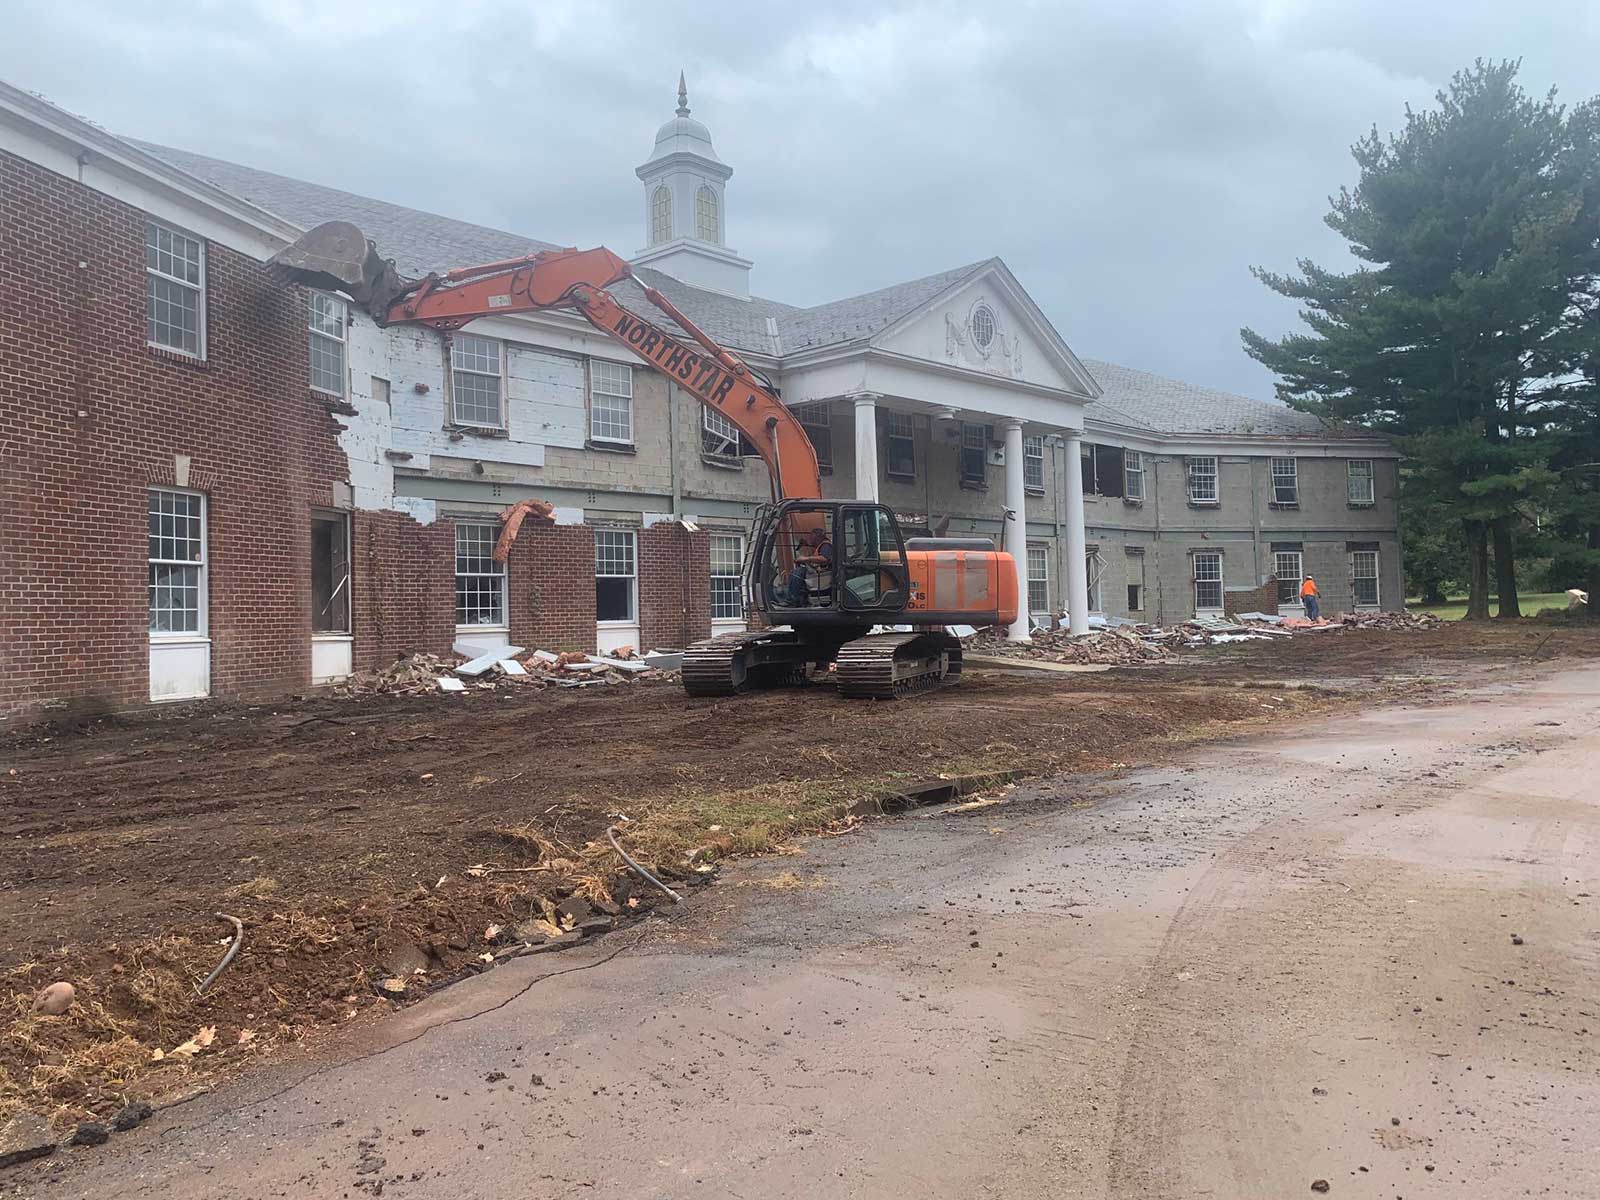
1309	596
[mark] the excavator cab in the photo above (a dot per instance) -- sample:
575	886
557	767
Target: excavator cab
826	562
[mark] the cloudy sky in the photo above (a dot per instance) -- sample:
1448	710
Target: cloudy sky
1129	160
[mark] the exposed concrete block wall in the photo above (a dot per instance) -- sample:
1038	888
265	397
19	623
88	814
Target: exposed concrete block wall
93	416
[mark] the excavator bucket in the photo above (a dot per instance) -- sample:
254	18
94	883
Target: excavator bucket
337	257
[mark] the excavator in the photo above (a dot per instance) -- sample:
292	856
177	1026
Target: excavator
821	575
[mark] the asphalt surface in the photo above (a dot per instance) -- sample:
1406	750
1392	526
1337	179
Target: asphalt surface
1361	952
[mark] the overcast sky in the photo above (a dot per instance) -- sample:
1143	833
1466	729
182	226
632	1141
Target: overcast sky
1129	160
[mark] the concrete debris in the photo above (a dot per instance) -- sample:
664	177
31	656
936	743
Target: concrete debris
27	1135
511	666
1120	642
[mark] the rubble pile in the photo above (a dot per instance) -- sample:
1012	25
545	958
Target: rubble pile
1388	620
1122	646
426	673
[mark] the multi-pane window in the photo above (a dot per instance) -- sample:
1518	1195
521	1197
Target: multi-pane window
707	220
175	290
328	314
818	425
615	575
899	446
974	452
1207	581
610	401
1364	578
1202	480
177	562
1033	462
1038	579
719	437
727	566
1285	482
1133	475
475	381
1359	478
983	326
660	215
480	580
1288	566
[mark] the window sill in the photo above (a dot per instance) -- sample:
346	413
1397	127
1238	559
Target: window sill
506	629
1205	504
180	639
629	623
722	462
611	447
1133	501
180	357
1284	505
1034	491
479	431
1362	504
335	405
974	485
332	637
900	477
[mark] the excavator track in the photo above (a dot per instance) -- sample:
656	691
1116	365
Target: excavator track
734	662
886	666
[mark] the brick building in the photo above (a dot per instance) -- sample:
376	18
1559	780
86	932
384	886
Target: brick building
215	486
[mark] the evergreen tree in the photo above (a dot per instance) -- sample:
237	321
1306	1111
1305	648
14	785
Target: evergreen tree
1476	229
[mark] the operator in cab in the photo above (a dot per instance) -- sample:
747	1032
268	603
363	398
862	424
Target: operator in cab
814	553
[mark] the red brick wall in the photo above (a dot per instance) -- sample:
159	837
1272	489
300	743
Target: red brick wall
551	588
90	416
404	588
1263	599
674	586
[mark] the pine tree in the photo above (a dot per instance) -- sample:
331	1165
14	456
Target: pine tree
1477	233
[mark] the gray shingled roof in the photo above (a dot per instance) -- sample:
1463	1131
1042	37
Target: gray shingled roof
418	241
1140	400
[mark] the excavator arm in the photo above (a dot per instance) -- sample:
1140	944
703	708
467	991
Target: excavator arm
336	256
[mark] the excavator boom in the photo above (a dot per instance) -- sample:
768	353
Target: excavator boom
336	256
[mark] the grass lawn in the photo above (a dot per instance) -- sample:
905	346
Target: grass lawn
1456	608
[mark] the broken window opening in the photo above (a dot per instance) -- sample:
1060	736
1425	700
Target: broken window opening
330	574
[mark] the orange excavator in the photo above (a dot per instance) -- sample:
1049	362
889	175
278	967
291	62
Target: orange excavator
820	574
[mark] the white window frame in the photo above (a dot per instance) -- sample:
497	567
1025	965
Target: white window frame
614	382
1352	477
719	437
342	520
337	315
815	417
153	230
1279	558
724	576
974	437
707	207
1203	468
1198	579
495	570
1132	475
630	537
660	215
202	566
1038	557
470	347
1377	587
1285	481
897	427
1033	462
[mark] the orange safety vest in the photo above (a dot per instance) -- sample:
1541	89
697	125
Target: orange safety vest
1309	588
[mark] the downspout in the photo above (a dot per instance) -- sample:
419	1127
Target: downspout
1255	519
1155	494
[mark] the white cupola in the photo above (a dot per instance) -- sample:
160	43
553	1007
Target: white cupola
685	209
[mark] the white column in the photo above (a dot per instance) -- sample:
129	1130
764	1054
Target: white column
1077	593
867	448
1016	526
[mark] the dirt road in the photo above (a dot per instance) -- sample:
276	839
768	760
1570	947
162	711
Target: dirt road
1361	952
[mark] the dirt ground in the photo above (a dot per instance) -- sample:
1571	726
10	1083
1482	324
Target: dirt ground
339	830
